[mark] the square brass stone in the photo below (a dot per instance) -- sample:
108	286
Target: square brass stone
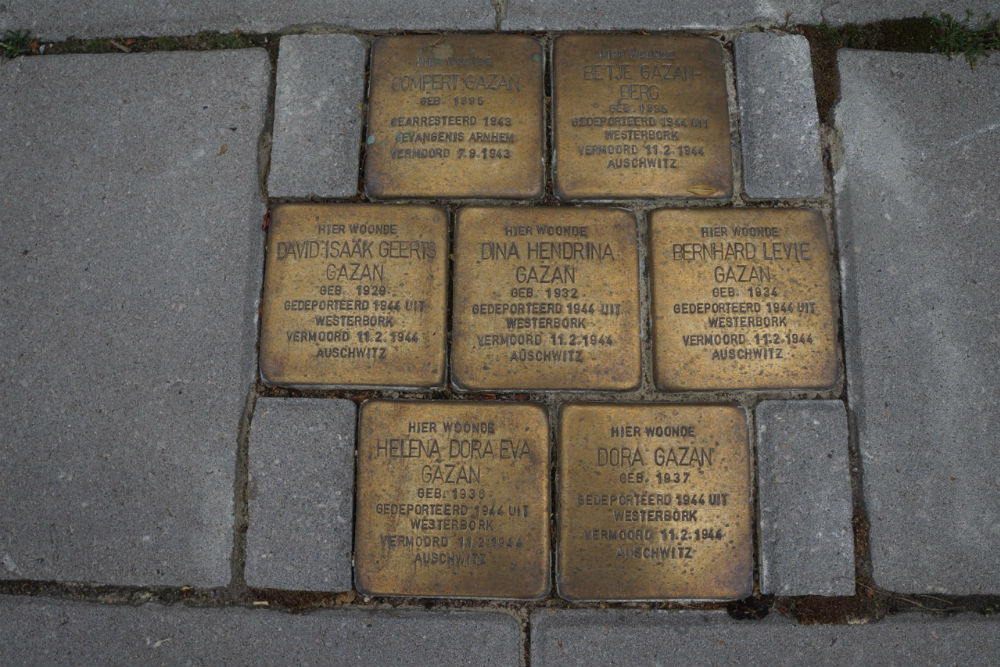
453	500
654	502
640	116
742	299
455	116
545	298
355	295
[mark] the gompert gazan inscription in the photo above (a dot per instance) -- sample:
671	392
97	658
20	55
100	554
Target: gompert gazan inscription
742	299
654	503
545	298
354	294
640	116
455	116
453	500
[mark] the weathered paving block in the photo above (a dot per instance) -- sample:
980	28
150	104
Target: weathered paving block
919	230
654	502
50	20
301	494
354	294
650	14
839	12
453	500
455	116
640	116
594	637
804	495
546	298
317	117
129	279
43	631
778	119
742	299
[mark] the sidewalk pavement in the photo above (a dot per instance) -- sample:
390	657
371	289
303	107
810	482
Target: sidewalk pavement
143	460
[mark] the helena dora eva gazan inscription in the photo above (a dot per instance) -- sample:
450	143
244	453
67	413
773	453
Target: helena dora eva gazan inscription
453	499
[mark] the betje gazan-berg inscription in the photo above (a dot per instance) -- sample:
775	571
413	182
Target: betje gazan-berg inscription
640	116
654	503
354	295
545	298
455	116
453	500
742	299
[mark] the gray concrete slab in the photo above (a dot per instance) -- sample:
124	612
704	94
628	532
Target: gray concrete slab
301	494
54	20
317	117
130	265
804	495
918	214
778	120
839	12
653	15
594	637
40	631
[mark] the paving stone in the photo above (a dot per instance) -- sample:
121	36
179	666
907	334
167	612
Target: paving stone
53	20
839	12
779	123
301	494
918	211
804	492
593	637
130	267
41	631
317	117
653	15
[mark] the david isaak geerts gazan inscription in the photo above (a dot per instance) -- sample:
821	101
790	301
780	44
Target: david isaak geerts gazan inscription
742	299
453	500
640	116
455	116
654	503
355	295
545	298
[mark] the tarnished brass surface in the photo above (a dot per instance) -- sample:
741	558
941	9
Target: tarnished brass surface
355	295
654	502
455	116
545	298
640	116
453	500
741	300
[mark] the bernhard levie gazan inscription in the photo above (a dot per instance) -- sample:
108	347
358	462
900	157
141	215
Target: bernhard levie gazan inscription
354	294
453	500
455	116
742	299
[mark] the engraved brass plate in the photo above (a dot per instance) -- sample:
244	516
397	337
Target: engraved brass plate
455	116
355	295
545	298
742	300
654	503
453	500
640	116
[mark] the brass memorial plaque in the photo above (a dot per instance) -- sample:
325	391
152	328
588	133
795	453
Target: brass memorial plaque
654	503
640	116
453	500
354	294
545	298
455	116
742	300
